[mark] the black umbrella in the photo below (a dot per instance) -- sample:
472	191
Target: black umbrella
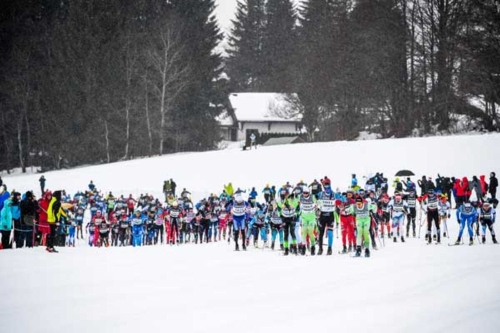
404	173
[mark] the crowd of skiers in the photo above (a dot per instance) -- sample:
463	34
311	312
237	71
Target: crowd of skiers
299	217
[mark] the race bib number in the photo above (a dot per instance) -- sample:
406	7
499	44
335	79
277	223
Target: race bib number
327	206
239	210
308	207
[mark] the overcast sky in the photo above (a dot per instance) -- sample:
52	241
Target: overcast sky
225	13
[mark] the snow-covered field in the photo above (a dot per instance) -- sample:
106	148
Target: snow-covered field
410	287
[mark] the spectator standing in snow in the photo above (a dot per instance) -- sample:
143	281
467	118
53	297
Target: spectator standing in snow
493	185
6	219
173	186
253	141
16	218
476	186
29	206
42	184
54	214
422	183
91	186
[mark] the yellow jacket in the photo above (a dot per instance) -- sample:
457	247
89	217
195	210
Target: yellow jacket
51	217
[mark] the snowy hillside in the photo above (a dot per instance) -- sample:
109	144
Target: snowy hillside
403	287
203	173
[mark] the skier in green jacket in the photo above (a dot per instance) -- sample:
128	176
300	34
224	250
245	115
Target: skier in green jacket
361	211
308	217
288	208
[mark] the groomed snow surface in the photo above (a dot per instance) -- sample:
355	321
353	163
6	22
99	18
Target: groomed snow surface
403	287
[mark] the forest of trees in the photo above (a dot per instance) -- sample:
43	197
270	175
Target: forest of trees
388	66
92	81
96	81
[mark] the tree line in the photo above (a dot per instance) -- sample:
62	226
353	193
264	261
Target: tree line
93	81
388	66
105	80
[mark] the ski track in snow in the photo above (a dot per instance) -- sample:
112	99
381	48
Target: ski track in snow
408	287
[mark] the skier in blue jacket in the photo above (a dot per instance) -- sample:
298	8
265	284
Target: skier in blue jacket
466	214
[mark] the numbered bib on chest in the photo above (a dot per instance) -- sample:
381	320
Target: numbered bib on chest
307	207
288	212
239	210
327	205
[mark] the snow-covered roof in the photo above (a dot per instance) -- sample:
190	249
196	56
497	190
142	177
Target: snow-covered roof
262	107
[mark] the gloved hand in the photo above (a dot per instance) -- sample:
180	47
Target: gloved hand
449	215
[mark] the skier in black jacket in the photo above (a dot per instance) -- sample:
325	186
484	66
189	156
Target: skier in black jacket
493	185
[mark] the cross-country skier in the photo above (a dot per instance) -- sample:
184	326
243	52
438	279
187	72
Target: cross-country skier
411	201
137	228
346	221
267	191
326	205
259	227
124	232
385	215
238	208
276	223
175	214
288	207
308	218
487	216
444	214
361	211
91	230
71	231
399	209
431	208
104	233
466	215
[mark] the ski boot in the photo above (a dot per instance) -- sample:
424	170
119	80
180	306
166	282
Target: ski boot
458	241
483	239
302	250
294	249
286	252
367	252
320	251
434	237
255	244
349	249
358	251
471	241
313	250
403	239
407	234
243	246
438	241
444	234
344	249
414	234
494	239
53	250
272	245
282	248
395	239
237	247
329	251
